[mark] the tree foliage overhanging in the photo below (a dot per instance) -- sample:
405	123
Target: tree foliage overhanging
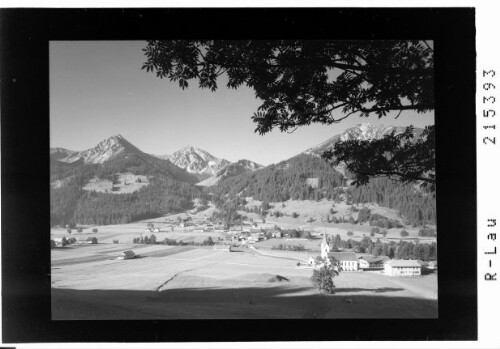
402	156
315	81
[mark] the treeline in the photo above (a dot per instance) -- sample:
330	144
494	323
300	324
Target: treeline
277	183
401	250
70	204
416	205
151	240
284	181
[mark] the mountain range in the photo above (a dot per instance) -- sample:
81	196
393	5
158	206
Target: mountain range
193	164
197	161
85	183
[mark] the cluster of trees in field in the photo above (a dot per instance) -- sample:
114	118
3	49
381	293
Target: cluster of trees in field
298	247
400	250
151	240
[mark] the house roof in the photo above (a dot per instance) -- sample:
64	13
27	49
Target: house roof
343	256
403	263
373	259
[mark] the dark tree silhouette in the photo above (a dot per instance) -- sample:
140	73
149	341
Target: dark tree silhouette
398	156
318	81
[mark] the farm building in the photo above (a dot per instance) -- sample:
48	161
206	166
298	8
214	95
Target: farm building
128	254
61	241
401	267
348	260
370	262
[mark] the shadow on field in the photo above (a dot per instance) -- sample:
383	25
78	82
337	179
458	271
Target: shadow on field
376	290
265	302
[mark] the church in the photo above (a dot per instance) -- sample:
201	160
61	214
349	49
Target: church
347	260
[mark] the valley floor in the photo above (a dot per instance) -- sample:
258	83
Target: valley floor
190	282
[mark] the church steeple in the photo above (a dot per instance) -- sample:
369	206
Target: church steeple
325	248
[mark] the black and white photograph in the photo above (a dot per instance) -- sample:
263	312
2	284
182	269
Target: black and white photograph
242	179
209	175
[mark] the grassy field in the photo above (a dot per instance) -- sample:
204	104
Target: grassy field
127	183
88	282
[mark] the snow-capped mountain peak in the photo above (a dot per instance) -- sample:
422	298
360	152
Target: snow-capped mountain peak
197	161
103	151
230	170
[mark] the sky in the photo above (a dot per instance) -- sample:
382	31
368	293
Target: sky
98	90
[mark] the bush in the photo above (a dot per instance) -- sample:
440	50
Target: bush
116	241
295	215
69	230
350	233
404	233
152	239
208	241
94	230
426	232
79	230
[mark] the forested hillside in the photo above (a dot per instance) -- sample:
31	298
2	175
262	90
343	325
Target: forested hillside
171	189
288	180
284	181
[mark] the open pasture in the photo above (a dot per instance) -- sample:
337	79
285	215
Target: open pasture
196	282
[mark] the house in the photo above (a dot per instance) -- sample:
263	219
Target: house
61	241
402	267
257	236
371	262
347	260
277	234
128	254
156	230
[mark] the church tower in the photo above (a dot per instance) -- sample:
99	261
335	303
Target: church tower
325	248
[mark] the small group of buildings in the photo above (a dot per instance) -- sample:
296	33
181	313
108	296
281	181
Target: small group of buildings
63	241
393	267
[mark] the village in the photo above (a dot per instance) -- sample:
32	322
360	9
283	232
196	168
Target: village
196	267
249	235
